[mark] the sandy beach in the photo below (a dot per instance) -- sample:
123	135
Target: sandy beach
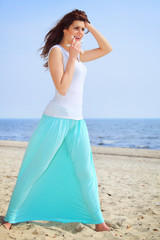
129	192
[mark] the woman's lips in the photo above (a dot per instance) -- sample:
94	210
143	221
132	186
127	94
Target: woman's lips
78	38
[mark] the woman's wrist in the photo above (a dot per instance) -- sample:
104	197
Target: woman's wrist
72	59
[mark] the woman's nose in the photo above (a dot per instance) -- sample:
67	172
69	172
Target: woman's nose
81	32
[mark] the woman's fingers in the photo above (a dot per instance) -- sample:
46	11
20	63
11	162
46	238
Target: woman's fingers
76	44
75	47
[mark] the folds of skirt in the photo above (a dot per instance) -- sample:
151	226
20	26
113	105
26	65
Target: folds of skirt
57	179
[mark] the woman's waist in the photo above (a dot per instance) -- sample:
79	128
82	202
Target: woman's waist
65	107
73	102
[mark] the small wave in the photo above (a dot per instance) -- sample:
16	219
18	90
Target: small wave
109	141
142	146
105	142
156	137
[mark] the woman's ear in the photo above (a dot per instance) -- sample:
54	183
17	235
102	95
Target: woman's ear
64	30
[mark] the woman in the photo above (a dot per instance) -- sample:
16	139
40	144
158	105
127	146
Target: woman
57	178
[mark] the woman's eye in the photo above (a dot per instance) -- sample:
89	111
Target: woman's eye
78	28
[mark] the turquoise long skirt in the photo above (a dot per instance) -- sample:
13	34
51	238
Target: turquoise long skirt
57	179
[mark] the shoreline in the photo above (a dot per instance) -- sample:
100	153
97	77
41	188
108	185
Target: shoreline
119	151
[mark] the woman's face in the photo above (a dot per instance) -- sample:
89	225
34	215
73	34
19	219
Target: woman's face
76	29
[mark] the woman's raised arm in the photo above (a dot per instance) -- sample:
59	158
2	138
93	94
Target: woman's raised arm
104	46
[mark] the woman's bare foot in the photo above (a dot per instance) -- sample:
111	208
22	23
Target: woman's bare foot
102	227
7	225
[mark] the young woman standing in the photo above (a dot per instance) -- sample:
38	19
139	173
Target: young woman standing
57	179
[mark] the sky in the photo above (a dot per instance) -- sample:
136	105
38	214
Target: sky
122	84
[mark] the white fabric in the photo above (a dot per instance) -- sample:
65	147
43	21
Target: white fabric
70	105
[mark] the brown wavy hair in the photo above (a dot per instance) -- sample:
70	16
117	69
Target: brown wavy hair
55	35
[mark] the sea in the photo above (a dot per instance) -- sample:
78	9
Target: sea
126	133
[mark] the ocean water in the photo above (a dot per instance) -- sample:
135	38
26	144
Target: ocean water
130	133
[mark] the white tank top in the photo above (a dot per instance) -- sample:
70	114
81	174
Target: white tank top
70	105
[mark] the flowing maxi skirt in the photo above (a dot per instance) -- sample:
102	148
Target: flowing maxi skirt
57	179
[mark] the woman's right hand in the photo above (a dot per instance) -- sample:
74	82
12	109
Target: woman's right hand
75	48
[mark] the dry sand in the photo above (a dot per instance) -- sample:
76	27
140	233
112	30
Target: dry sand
129	192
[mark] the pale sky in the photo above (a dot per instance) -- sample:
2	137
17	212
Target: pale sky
123	84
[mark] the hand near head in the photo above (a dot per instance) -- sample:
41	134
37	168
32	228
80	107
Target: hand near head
87	24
